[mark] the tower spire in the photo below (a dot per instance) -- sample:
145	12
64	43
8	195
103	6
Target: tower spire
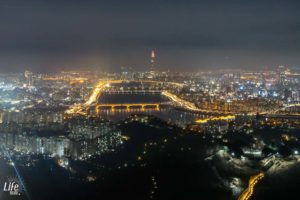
153	61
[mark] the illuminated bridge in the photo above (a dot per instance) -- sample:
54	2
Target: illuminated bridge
289	108
106	86
131	91
288	111
203	121
128	106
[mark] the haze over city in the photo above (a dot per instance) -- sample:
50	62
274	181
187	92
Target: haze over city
149	99
45	36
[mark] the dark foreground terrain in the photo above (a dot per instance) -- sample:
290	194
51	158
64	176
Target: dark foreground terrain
156	161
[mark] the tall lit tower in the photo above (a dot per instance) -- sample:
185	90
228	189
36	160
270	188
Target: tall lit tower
29	78
153	61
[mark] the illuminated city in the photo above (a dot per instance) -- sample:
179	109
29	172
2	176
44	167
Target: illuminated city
144	110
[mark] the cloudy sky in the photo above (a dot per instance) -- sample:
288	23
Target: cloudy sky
50	35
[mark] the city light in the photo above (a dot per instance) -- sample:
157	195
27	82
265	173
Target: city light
149	100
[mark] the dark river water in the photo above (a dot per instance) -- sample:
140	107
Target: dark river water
169	114
132	98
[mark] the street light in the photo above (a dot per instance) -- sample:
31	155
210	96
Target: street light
296	152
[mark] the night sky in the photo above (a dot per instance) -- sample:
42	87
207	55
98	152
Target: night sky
51	35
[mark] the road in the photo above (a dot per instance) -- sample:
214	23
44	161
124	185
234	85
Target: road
228	117
81	108
247	193
186	104
101	85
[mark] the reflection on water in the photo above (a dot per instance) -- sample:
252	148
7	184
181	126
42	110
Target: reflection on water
168	114
116	98
172	115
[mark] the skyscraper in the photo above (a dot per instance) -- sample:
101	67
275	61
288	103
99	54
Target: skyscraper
153	61
29	78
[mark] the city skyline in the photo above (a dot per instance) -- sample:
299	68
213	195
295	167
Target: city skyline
191	35
229	127
149	99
